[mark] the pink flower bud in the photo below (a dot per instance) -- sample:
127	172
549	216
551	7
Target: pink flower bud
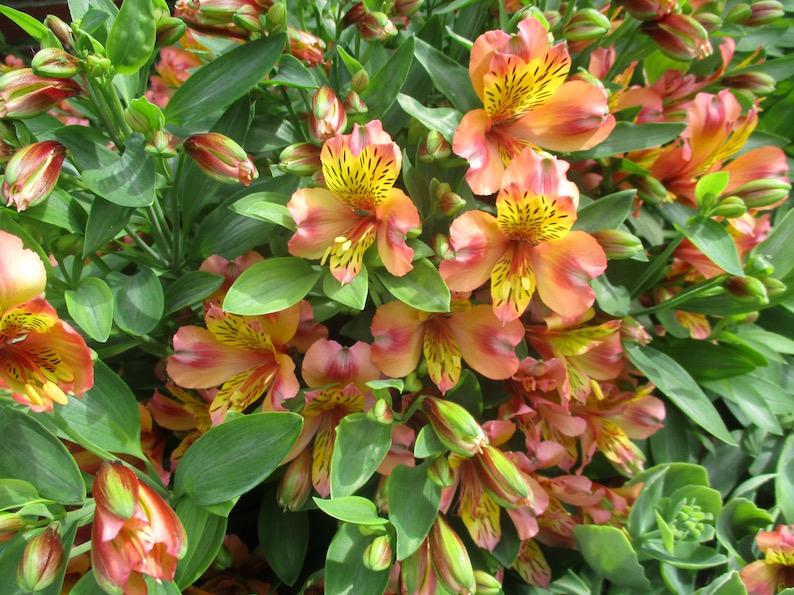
375	27
378	555
455	427
296	485
679	37
301	159
450	559
61	30
328	117
710	21
31	174
354	15
6	151
221	158
649	10
759	83
25	95
405	8
306	47
763	12
42	560
747	287
381	412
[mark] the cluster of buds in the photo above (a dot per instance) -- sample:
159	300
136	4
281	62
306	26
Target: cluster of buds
221	158
649	10
373	27
447	202
32	173
328	117
25	95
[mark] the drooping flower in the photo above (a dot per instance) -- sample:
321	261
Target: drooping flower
340	222
469	333
135	532
521	81
42	359
246	356
528	245
776	571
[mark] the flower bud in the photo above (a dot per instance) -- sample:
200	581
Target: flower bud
360	81
369	530
375	27
7	132
247	19
296	485
650	190
553	18
500	477
440	473
276	18
381	412
649	10
412	384
762	193
305	47
42	560
586	25
747	287
97	66
456	428
10	525
632	330
55	63
61	30
378	555
617	244
301	159
221	158
440	245
450	203
162	145
729	207
25	95
31	174
169	31
405	8
758	266
739	13
223	559
487	583
774	287
709	21
70	244
434	148
6	151
354	105
679	37
763	12
450	559
354	15
328	117
760	83
144	117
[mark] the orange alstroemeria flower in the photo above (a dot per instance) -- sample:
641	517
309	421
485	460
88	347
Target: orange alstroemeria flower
775	572
339	222
245	355
528	245
470	333
42	359
521	82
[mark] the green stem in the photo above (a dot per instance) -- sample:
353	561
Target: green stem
681	297
80	549
157	227
656	265
117	109
143	245
77	269
95	91
100	264
292	113
176	222
82	515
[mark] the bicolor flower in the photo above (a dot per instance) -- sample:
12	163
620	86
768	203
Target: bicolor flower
135	532
221	158
42	359
776	571
359	204
468	333
246	356
521	82
529	245
25	95
32	173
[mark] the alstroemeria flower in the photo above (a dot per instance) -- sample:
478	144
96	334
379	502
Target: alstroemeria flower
338	376
245	355
134	533
528	245
340	222
776	571
42	359
521	82
470	333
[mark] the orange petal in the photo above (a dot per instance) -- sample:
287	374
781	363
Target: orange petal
472	143
347	251
320	218
22	274
328	362
396	216
485	343
512	282
442	354
399	331
482	51
478	244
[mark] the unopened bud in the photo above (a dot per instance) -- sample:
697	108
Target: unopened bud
378	555
440	473
97	66
70	244
412	384
729	207
650	190
586	25
6	151
169	31
434	148
25	95
354	15
55	63
450	559
500	477
61	30
375	27
632	330
162	145
300	159
42	560
11	525
487	583
554	18
679	37
276	17
381	412
455	427
758	266
763	12
223	559
221	158
360	81
760	83
739	13
774	287
144	117
440	245
709	21
296	485
649	10
747	287
328	117
762	193
305	47
354	105
617	244
247	18
32	173
405	8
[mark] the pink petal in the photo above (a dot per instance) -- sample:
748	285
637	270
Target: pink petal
478	244
485	344
541	174
396	216
398	330
481	53
320	218
472	142
22	274
328	362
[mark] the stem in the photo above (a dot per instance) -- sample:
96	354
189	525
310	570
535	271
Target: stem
104	112
176	222
97	260
117	108
77	269
80	549
656	265
292	113
156	221
81	514
143	245
681	297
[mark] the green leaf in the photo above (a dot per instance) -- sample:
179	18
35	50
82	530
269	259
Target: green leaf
605	213
190	289
467	393
205	532
258	443
352	65
353	294
61	210
709	361
427	443
422	287
359	439
131	39
224	80
107	416
345	574
292	73
284	556
777	247
615	300
385	85
727	584
610	554
443	119
105	221
679	387
686	554
713	240
28	451
91	307
709	187
271	286
128	182
15	492
351	509
449	77
26	22
632	137
413	506
266	206
138	300
784	482
739	519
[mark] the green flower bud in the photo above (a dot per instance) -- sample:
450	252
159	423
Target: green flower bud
709	21
500	477
486	583
455	427
617	244
758	266
224	559
360	81
378	555
276	17
381	412
55	63
774	287
450	559
586	25
42	560
144	117
747	287
434	148
440	473
762	193
98	66
61	30
739	13
301	159
729	207
375	27
763	12
169	31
